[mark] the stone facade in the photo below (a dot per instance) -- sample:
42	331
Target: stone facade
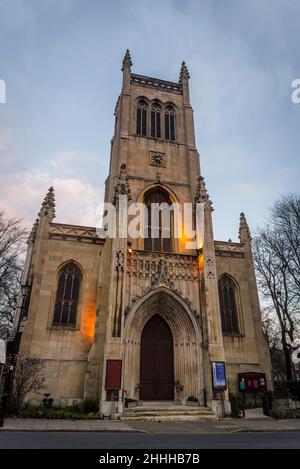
122	288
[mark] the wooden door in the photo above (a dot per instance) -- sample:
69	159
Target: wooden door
157	369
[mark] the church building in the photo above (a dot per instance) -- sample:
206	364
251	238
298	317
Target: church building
147	319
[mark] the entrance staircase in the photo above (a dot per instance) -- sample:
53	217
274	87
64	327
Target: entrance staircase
167	412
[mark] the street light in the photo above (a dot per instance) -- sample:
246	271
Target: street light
23	308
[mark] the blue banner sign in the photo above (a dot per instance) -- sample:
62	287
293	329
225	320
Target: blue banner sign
219	375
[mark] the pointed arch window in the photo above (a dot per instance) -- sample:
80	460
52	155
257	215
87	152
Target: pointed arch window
228	306
169	123
155	120
159	221
141	117
67	295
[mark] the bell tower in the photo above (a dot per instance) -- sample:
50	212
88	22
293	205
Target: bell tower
154	135
154	159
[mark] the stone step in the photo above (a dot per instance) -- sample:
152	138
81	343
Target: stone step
168	418
177	409
158	404
167	412
164	414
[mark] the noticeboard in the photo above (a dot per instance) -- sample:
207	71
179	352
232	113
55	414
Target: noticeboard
252	382
113	374
219	376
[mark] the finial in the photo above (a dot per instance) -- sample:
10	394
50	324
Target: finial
201	193
48	205
244	231
127	62
184	73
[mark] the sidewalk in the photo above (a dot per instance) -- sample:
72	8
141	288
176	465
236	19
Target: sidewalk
228	425
222	426
65	425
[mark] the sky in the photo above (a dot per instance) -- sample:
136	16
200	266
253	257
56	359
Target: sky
61	62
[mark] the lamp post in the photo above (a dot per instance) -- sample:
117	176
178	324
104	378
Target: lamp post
25	291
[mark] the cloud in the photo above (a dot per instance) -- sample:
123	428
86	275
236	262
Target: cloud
72	162
63	80
76	201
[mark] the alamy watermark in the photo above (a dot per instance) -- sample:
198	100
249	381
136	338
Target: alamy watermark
296	352
184	222
295	96
2	92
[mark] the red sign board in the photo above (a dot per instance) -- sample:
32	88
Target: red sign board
252	382
113	374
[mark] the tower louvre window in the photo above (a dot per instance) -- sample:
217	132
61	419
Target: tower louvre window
155	120
169	123
228	306
67	294
141	118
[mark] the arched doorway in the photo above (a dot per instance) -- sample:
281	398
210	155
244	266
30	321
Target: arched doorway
186	336
156	362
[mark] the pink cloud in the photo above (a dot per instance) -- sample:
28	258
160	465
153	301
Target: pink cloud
21	196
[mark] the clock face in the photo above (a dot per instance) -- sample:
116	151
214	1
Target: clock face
158	159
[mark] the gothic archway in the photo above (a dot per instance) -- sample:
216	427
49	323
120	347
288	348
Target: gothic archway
187	341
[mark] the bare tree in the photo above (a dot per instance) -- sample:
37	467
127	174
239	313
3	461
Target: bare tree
271	329
286	218
27	377
276	252
272	332
12	245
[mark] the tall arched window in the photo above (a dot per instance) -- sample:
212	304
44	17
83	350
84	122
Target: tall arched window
228	306
169	123
159	220
141	118
155	120
67	295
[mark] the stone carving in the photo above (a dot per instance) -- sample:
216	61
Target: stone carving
160	276
127	62
244	231
48	204
201	194
81	233
120	261
122	185
228	249
210	268
154	266
184	73
186	300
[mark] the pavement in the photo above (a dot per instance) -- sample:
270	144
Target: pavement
65	425
227	425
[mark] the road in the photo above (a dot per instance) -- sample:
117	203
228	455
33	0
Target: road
94	440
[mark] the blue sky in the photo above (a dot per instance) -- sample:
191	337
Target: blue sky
61	62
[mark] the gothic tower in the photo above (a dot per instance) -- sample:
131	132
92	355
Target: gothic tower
154	159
